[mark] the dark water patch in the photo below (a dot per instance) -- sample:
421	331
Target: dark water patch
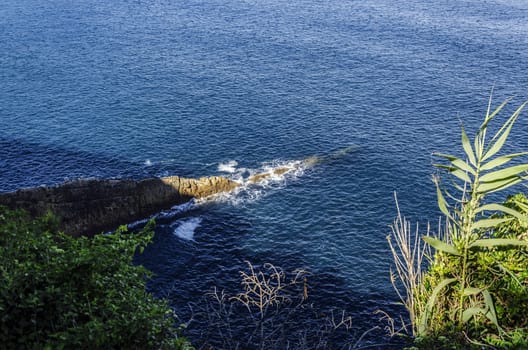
187	272
34	164
30	164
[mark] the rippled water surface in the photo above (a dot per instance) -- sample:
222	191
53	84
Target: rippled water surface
140	88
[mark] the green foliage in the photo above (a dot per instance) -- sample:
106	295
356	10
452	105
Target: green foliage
60	292
474	293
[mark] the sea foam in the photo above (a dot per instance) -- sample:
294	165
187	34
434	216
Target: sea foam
229	167
185	229
255	183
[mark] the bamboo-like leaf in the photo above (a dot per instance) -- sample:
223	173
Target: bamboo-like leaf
479	149
449	157
497	242
459	188
462	165
501	135
489	187
471	291
487	223
513	116
453	197
495	112
504	173
467	147
487	117
431	303
472	312
462	175
491	314
522	205
441	245
442	204
503	209
497	162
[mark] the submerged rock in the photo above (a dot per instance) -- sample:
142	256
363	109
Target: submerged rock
259	177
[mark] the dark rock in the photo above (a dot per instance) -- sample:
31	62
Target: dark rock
87	207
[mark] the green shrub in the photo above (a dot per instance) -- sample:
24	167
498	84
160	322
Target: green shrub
474	292
477	281
60	292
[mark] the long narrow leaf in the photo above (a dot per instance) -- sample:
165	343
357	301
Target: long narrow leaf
462	165
442	204
500	137
522	205
489	187
431	303
488	110
449	157
497	242
462	175
440	245
455	171
503	209
471	291
491	314
487	223
497	162
467	147
479	148
504	173
495	112
459	188
472	312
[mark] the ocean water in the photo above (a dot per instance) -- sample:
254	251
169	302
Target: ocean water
234	87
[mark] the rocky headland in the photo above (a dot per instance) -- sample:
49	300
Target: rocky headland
88	207
92	206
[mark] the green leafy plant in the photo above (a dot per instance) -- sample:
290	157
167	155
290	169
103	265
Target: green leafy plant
469	229
61	292
474	290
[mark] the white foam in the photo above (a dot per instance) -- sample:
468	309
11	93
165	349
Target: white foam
177	209
229	167
186	228
183	207
148	162
271	176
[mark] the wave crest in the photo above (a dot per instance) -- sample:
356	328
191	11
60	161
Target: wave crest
185	228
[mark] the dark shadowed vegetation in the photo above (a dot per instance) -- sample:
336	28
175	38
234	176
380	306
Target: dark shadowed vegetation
59	292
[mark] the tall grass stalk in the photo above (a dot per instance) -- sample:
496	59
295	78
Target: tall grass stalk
408	252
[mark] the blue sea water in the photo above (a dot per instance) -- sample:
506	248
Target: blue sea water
150	88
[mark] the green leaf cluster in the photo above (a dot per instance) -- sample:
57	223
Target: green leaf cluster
480	264
58	292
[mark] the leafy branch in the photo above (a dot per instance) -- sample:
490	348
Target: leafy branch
482	172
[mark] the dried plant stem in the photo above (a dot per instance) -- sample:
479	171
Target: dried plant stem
408	252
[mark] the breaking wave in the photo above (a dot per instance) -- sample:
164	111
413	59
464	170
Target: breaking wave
255	183
185	228
229	167
258	182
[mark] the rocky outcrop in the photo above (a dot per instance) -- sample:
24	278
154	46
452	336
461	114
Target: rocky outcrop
259	177
87	207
